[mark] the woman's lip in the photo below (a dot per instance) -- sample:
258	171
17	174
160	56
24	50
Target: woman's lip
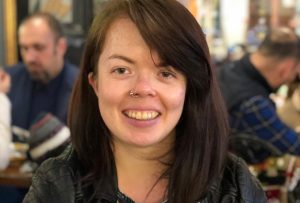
141	123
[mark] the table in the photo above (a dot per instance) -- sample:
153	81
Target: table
13	177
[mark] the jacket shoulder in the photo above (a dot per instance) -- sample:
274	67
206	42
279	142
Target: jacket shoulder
236	184
248	187
54	180
70	74
71	69
16	69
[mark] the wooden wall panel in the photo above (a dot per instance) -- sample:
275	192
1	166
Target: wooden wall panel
10	27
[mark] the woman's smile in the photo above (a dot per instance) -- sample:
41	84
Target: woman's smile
141	115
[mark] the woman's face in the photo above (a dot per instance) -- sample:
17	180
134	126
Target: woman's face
126	63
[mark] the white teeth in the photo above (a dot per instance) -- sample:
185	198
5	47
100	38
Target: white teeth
142	115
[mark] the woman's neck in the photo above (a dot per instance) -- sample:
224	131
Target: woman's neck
139	172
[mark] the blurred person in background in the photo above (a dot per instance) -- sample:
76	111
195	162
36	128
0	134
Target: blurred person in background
246	85
44	80
42	83
7	194
147	119
5	111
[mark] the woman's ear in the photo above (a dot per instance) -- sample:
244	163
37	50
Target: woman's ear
93	82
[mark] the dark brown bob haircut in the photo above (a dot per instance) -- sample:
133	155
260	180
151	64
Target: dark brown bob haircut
201	134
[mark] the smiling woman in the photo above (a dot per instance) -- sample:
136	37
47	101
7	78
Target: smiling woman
147	120
138	82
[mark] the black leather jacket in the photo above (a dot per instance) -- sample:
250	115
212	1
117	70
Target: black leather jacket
55	182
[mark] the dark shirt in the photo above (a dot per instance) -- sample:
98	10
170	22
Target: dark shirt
44	97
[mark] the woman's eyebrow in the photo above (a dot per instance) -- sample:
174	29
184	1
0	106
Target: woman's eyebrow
160	64
121	57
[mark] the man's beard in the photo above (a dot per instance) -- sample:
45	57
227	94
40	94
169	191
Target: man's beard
38	75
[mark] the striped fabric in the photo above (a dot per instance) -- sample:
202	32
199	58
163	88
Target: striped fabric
257	116
48	137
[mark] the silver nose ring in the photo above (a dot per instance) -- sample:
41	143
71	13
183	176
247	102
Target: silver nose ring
132	93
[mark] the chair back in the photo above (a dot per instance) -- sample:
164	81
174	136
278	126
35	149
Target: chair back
252	148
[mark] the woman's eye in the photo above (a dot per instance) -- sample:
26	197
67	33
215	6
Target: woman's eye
167	74
120	70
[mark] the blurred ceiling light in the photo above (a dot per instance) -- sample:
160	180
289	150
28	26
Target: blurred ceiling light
288	3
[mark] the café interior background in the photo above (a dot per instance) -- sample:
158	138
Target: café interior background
226	23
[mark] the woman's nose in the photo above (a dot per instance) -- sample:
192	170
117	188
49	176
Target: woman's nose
144	86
